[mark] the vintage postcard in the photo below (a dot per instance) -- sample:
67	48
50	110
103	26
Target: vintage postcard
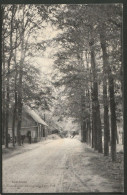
62	98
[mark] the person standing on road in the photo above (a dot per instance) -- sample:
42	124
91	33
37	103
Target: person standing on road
29	136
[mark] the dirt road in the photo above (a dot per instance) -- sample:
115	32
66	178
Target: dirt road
60	166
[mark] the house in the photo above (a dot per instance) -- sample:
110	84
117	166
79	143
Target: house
33	126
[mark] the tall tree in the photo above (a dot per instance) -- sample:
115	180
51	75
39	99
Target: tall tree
13	11
96	106
105	98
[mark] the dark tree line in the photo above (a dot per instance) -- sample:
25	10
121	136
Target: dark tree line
91	66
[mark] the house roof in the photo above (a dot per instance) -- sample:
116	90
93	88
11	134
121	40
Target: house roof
34	115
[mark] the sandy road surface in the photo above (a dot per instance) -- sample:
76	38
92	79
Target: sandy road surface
54	167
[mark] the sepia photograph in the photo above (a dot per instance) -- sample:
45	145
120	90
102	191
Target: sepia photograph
62	98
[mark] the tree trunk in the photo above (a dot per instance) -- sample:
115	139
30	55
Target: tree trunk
99	128
89	99
8	76
89	120
3	123
84	132
3	96
19	106
106	122
81	132
96	105
113	118
94	128
122	77
92	119
15	96
7	113
93	136
105	98
117	136
19	101
8	97
82	119
14	117
3	113
88	132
